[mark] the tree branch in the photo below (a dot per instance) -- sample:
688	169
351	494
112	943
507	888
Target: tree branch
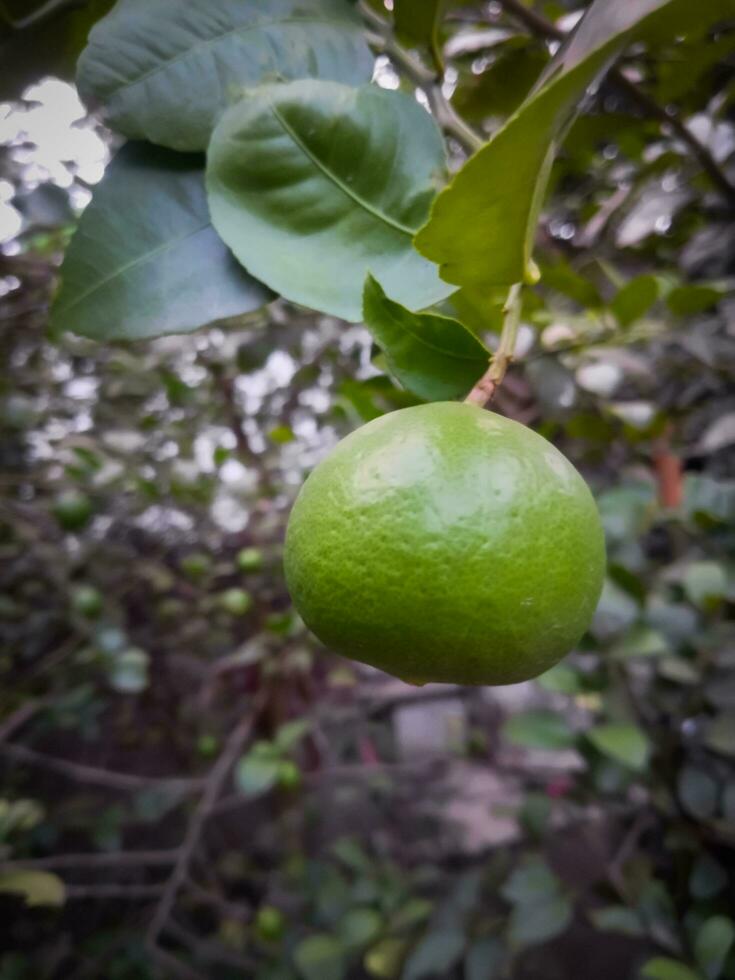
91	774
539	25
213	787
423	78
484	390
59	862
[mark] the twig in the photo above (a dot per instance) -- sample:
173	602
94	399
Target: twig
203	949
485	389
91	774
212	789
58	862
423	78
539	25
131	893
19	718
41	14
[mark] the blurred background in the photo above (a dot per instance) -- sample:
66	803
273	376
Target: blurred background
190	785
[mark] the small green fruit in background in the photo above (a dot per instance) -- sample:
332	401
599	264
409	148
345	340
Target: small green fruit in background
72	509
446	543
236	602
269	923
289	775
196	565
87	601
250	560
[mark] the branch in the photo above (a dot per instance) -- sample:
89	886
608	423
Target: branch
485	389
423	78
37	16
539	25
130	893
91	774
58	862
213	787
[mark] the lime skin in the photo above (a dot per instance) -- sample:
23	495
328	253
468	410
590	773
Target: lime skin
446	543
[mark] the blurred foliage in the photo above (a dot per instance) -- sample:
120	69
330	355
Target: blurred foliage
143	613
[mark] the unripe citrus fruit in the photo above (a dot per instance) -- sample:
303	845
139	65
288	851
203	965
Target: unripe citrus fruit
446	543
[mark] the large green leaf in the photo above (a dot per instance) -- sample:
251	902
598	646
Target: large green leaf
433	356
482	225
312	184
165	70
626	744
145	259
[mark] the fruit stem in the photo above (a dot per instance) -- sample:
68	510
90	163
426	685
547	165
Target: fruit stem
484	391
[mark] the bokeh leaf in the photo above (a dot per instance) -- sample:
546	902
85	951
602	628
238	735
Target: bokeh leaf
127	273
712	944
320	957
417	24
435	955
539	730
482	226
433	356
626	744
165	71
37	887
663	968
315	184
698	792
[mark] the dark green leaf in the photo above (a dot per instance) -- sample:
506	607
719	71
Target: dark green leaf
500	89
315	184
539	730
435	955
712	944
698	792
129	271
663	968
165	70
618	918
320	957
623	743
37	887
719	735
482	226
484	959
705	583
688	300
359	926
542	922
708	877
635	299
433	356
417	23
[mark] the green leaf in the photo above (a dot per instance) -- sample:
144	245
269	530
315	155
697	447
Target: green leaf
257	772
719	735
128	671
618	918
500	89
384	959
482	226
320	957
641	641
315	184
417	23
165	70
712	944
705	583
145	259
695	298
698	792
663	968
484	959
635	299
433	356
289	735
561	679
547	919
539	730
626	744
359	926
708	877
37	887
530	883
435	955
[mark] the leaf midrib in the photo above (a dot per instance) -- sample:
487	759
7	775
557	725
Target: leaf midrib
333	178
146	256
210	41
440	350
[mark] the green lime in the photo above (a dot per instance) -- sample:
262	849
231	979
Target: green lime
236	602
72	509
446	543
87	601
269	923
250	560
